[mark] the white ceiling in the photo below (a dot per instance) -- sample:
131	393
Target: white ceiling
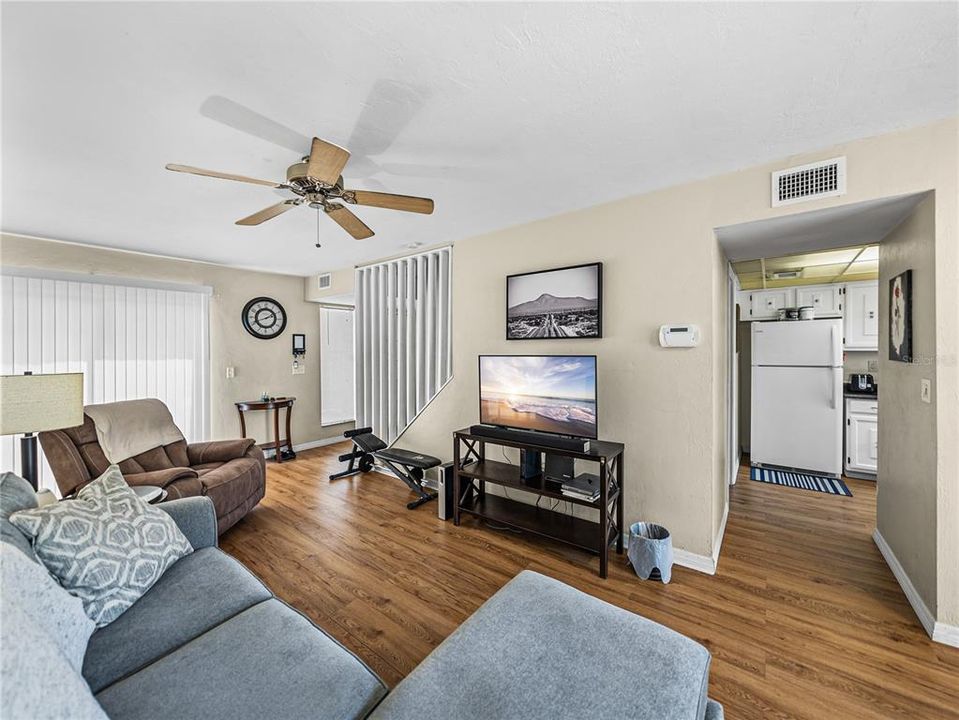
502	112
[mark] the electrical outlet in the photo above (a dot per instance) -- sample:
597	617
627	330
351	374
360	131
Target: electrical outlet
299	367
925	390
873	366
230	372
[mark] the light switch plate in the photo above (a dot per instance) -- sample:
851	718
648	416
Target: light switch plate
230	372
925	390
299	367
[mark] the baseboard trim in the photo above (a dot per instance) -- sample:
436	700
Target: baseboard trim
946	634
309	445
939	632
718	540
693	561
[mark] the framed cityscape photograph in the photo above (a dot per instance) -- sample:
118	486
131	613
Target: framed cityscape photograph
560	303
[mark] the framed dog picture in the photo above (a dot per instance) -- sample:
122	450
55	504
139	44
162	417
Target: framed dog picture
900	317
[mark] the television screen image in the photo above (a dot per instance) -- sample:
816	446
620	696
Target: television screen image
562	303
550	393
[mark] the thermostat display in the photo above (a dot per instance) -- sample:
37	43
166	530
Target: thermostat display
679	335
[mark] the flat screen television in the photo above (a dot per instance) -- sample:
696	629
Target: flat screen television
550	393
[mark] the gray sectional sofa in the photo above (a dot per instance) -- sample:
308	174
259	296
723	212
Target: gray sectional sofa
209	640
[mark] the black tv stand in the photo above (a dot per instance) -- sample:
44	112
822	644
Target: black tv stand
471	472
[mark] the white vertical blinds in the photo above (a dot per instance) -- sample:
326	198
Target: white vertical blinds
402	339
337	366
129	342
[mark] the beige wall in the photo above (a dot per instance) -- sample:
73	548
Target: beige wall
661	266
341	286
260	364
908	479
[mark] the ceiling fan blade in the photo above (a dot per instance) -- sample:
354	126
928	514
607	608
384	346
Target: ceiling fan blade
407	203
225	176
326	161
348	221
268	213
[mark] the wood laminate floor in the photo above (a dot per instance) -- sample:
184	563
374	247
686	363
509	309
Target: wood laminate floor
803	618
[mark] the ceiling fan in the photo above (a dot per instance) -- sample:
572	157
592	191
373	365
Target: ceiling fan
317	180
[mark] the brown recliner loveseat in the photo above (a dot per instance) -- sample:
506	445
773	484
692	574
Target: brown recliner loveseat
232	473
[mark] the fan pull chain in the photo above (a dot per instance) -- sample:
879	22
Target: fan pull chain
318	227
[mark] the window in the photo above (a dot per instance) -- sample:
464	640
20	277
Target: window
130	339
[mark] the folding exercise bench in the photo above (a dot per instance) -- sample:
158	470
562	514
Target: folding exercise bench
408	466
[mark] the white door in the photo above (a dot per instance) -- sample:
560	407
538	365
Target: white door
825	299
336	366
765	304
862	443
796	418
797	343
861	327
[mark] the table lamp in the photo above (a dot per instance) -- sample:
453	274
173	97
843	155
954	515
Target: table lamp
32	403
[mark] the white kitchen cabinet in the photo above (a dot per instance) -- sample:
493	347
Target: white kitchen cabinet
861	316
826	299
765	304
862	436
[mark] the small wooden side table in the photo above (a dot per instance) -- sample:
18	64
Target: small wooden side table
276	404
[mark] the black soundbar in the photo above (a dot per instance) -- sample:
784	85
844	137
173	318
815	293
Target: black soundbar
530	437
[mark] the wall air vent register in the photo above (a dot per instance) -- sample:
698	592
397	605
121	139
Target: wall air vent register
823	179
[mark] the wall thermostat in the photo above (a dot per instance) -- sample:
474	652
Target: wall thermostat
679	335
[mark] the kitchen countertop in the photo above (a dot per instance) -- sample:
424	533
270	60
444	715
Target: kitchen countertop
847	393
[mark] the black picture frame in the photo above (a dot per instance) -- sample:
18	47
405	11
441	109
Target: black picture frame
299	343
900	317
518	324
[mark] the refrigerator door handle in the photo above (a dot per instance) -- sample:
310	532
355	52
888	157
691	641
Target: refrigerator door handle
833	335
832	400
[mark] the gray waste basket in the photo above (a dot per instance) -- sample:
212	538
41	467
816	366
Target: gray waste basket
651	551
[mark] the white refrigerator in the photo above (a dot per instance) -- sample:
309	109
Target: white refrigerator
797	391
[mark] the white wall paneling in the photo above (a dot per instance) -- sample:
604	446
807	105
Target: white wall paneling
129	340
403	349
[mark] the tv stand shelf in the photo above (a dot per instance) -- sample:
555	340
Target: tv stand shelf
472	471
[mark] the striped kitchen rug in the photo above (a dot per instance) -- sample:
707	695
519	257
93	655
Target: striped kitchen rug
803	481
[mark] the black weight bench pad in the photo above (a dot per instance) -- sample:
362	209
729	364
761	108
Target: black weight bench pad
408	458
368	443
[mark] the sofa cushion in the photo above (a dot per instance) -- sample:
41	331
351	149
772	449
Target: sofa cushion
15	495
269	661
55	611
197	593
107	546
230	484
542	649
38	681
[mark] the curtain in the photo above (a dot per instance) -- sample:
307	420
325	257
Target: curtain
129	341
402	339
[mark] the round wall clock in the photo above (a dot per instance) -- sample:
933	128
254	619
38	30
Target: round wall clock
264	318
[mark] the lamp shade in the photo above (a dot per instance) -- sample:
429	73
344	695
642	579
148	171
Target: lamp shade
32	403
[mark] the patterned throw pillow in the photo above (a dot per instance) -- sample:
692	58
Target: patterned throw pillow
107	546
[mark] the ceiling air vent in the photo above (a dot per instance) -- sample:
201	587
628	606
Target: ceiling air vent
324	281
826	178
